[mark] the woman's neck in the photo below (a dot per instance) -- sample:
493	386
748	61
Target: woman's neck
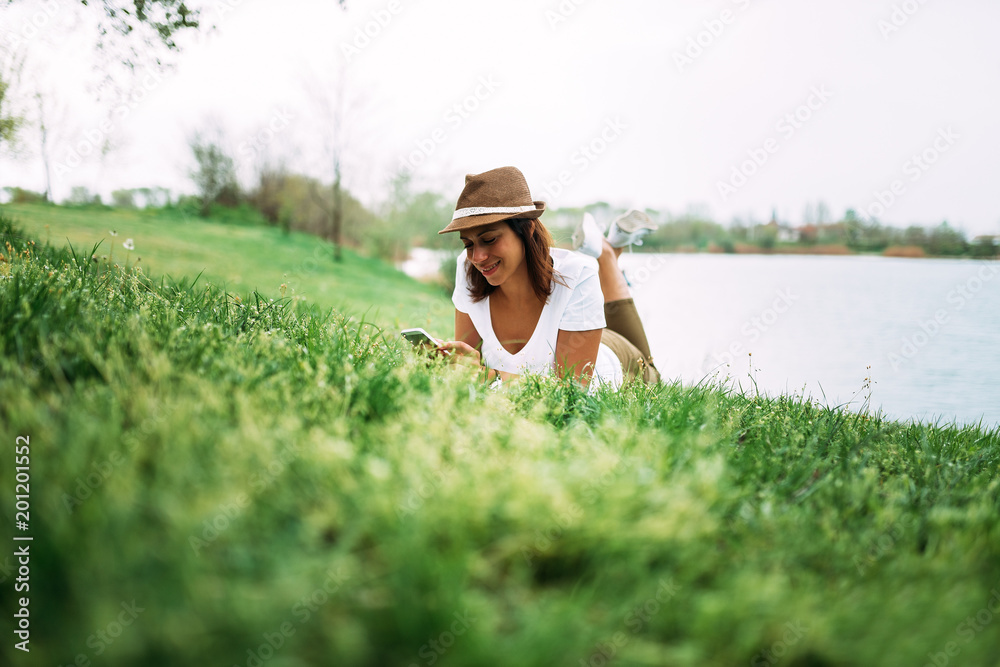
517	289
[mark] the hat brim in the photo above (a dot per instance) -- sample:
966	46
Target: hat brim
471	221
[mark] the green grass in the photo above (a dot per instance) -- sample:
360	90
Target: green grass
242	258
288	486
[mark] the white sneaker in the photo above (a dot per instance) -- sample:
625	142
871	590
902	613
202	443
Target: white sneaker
588	237
629	229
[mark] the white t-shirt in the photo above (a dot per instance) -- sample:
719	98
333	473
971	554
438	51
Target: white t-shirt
576	306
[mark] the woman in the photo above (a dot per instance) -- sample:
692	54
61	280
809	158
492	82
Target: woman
523	306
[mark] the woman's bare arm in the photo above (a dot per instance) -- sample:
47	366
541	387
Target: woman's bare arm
465	330
576	353
467	345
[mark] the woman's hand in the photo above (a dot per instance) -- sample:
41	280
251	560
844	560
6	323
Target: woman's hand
461	353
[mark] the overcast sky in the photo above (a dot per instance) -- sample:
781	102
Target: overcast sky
733	107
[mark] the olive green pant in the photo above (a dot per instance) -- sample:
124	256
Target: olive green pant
627	339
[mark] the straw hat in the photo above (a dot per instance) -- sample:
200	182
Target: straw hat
493	196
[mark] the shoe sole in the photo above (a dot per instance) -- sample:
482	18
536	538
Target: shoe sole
633	221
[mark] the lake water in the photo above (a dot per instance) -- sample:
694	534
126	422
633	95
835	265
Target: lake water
927	332
928	329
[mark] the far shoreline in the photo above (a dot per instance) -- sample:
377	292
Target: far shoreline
825	251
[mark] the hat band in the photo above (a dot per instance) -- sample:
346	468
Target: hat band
482	210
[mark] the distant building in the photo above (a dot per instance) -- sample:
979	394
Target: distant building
787	234
782	233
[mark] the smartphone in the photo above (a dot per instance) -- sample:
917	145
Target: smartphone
421	338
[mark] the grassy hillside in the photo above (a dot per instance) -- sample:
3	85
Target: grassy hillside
243	258
223	481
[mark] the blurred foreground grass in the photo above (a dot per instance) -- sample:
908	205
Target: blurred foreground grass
225	480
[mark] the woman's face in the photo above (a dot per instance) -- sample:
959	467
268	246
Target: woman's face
495	250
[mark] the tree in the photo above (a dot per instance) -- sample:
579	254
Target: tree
269	196
984	247
12	111
808	215
80	196
915	235
945	240
336	116
767	235
130	30
11	117
164	17
51	124
302	203
150	21
215	176
123	198
9	122
822	212
155	197
412	218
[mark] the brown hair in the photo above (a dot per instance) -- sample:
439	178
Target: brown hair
537	241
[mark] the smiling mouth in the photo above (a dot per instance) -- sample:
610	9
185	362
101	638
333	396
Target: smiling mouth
490	269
